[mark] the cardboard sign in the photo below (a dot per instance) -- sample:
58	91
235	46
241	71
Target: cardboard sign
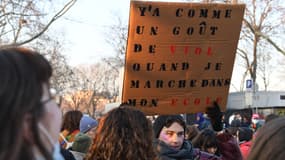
180	56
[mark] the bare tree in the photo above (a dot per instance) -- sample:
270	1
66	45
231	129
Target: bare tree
26	22
79	100
99	80
23	21
262	24
281	69
52	48
117	38
265	69
63	76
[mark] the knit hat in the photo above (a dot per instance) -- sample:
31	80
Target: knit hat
166	120
81	143
87	123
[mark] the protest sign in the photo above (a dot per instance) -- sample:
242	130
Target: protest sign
180	56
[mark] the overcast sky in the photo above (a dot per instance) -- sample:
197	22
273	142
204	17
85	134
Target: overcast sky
84	28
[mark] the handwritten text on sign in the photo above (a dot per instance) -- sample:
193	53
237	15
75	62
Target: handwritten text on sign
180	55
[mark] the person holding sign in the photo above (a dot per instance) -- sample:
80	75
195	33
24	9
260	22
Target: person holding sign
227	144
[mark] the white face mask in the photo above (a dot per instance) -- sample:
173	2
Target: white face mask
56	147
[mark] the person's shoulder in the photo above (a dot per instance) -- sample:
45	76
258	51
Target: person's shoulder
200	155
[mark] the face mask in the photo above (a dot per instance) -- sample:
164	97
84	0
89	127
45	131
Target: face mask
56	147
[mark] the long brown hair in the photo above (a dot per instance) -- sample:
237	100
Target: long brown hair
270	141
71	121
22	74
123	134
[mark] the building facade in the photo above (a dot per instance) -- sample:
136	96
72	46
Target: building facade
265	102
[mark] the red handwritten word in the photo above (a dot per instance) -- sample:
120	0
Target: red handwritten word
195	101
187	50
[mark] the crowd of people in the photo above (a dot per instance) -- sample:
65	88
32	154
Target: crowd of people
33	128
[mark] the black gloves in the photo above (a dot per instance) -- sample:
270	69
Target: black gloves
215	114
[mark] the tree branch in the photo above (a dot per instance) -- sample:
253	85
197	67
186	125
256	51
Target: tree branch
267	38
59	14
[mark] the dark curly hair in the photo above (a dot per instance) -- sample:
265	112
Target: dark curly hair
123	134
